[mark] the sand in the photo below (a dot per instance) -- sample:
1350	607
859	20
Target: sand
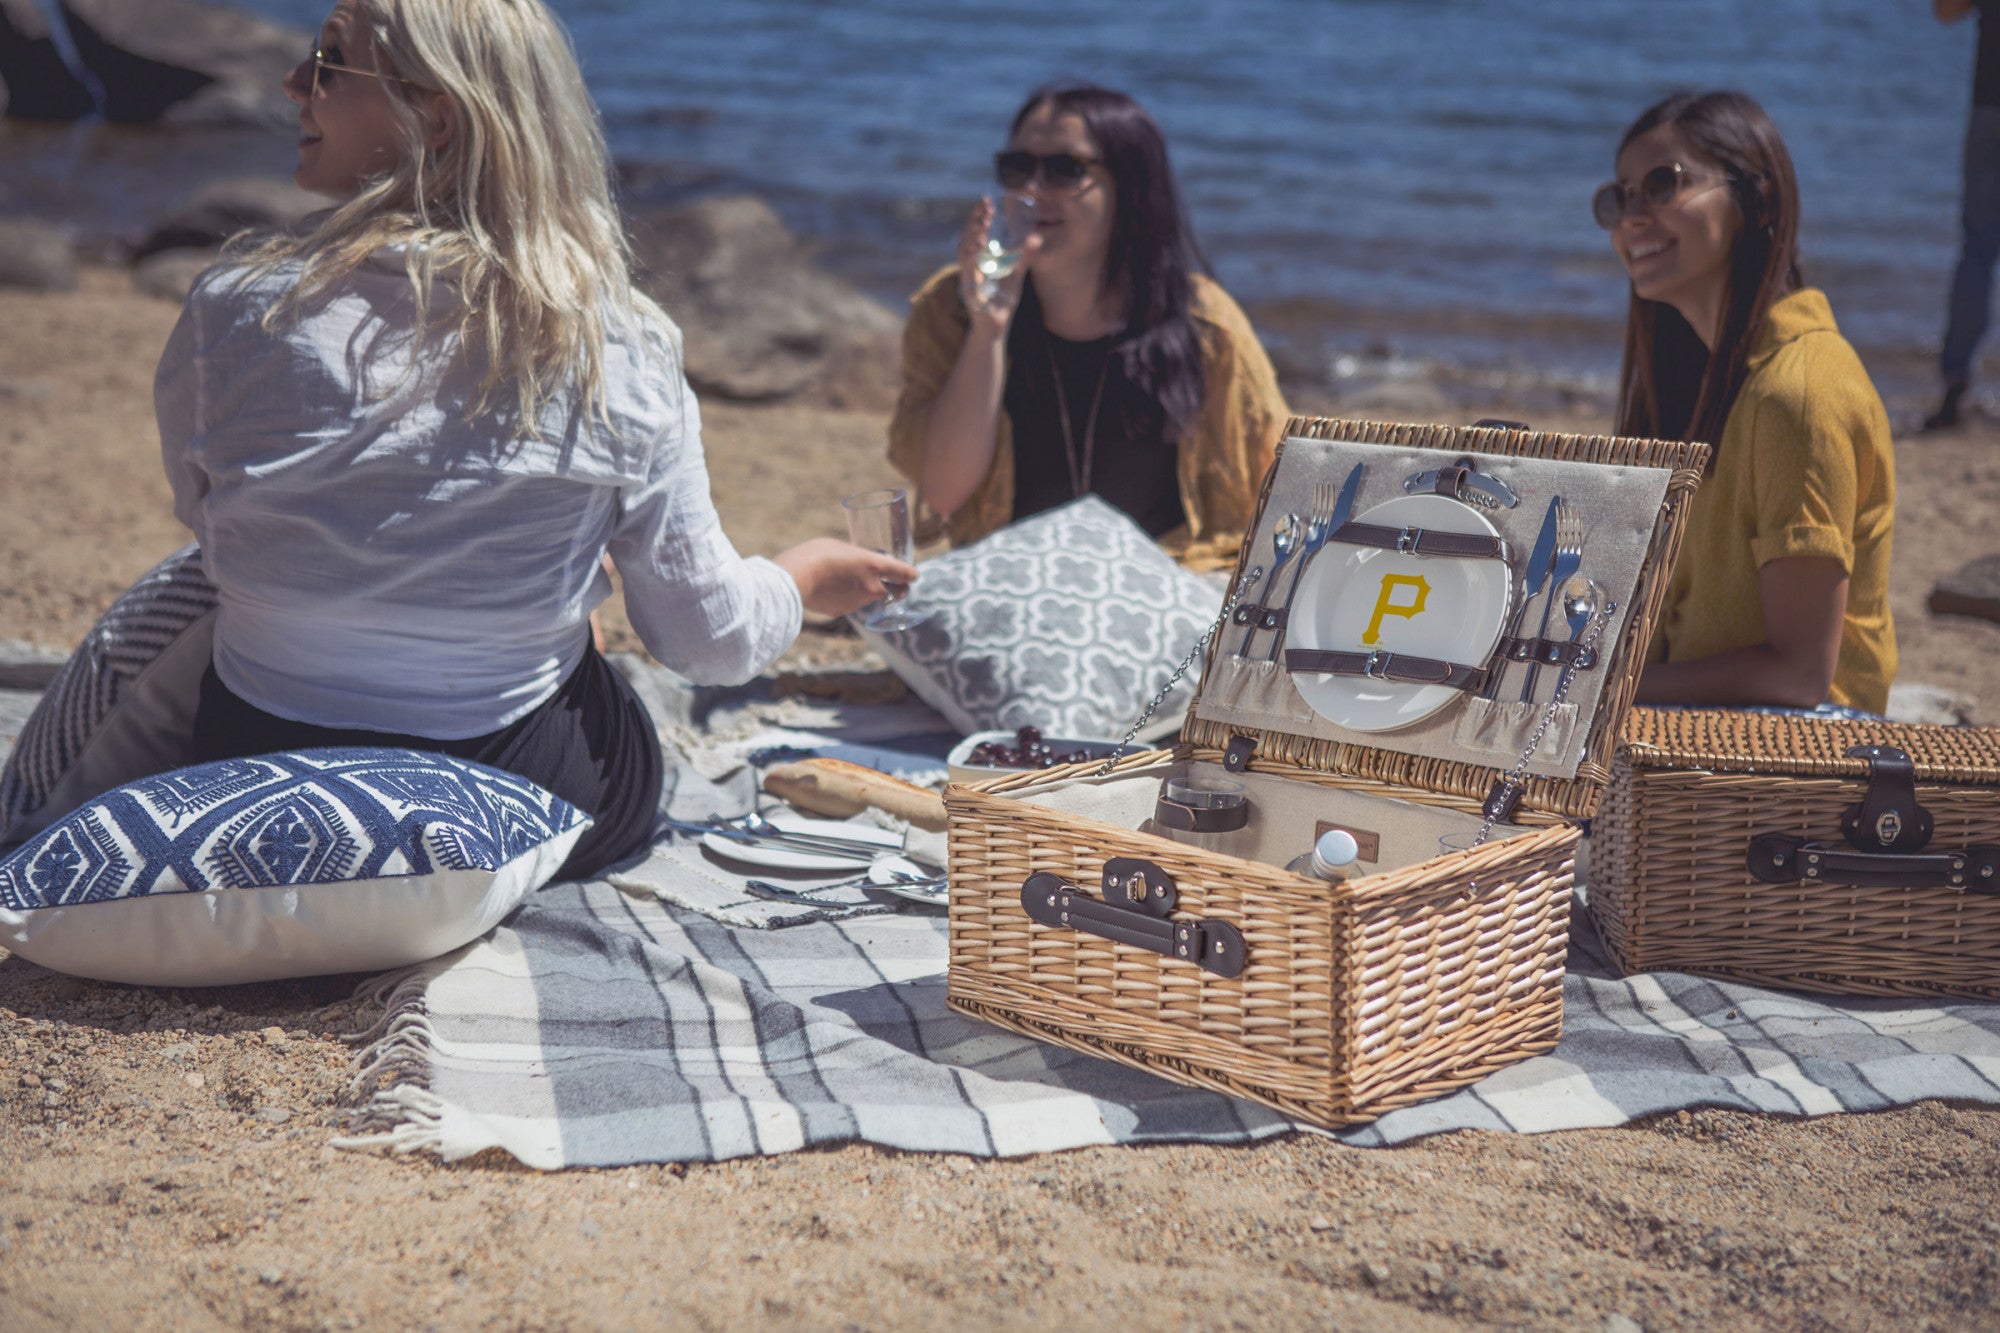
163	1158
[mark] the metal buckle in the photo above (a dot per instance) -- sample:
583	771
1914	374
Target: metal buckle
1406	540
1373	668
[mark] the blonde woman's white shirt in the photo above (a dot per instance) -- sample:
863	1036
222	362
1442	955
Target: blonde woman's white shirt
387	560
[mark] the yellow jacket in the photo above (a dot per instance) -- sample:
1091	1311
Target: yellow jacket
1805	468
1221	461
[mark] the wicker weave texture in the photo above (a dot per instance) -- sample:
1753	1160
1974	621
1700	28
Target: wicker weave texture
1354	1000
1574	797
1669	887
1734	741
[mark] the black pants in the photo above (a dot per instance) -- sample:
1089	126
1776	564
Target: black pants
592	744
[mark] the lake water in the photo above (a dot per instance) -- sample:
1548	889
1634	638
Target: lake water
1374	177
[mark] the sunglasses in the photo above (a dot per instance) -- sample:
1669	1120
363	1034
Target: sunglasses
1017	167
1656	189
326	64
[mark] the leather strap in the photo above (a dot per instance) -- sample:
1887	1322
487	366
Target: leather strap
1264	617
1548	652
1190	819
1402	668
1888	818
1425	542
1777	858
1212	945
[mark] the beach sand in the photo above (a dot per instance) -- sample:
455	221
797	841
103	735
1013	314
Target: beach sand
163	1158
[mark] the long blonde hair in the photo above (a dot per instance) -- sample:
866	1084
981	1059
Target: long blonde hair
515	208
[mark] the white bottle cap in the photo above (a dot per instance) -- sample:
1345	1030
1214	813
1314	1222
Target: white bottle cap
1334	854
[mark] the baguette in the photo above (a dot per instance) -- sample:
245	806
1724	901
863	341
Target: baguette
837	788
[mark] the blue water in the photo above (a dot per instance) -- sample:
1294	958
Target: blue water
1417	167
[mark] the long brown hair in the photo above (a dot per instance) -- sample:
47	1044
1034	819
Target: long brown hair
1672	386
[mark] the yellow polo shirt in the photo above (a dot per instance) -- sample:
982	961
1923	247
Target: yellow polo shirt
1805	468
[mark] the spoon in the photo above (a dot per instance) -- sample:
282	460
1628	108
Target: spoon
887	872
1581	600
1284	543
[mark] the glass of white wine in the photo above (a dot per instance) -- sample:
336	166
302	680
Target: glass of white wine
1006	239
880	521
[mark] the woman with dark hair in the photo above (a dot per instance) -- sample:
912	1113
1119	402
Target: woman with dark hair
1781	593
1107	363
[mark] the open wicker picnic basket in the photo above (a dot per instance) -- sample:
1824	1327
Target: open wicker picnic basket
1082	914
1858	858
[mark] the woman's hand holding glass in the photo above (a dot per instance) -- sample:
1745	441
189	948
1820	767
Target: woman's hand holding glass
996	247
838	578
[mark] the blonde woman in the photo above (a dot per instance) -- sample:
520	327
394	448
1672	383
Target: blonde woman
408	436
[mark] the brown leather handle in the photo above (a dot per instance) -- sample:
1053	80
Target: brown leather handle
1776	858
1214	946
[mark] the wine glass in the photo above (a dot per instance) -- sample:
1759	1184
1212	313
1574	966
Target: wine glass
1007	234
880	521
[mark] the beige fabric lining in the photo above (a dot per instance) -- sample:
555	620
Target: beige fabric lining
1285	815
1619	505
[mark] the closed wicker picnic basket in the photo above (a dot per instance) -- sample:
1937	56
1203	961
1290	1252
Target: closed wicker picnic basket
1711	814
1352	999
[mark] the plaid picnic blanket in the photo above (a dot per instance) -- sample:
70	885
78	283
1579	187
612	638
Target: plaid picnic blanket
658	1022
599	1027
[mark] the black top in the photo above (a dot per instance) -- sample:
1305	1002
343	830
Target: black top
1986	73
1134	473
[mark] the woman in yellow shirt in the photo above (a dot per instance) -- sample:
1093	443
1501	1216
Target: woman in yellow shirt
1781	593
1107	363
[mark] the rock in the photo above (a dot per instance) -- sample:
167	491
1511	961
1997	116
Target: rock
761	322
183	62
1973	590
27	666
35	256
36	83
1909	702
1619	1323
271	1115
219	211
170	274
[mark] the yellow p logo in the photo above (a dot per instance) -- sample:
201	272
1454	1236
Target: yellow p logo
1387	605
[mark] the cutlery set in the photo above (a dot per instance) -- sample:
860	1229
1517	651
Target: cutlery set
1550	574
1293	537
882	859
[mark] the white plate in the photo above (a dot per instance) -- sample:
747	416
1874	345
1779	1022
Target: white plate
772	857
1363	599
882	874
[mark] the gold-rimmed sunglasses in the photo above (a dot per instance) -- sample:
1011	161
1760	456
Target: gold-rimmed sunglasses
324	68
1655	190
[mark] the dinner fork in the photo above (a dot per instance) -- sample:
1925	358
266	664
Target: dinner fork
1318	529
1569	554
1284	542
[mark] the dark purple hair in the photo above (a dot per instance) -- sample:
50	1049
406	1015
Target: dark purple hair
1151	259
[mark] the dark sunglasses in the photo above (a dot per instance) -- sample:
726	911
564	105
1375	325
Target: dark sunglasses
1017	167
1655	190
326	63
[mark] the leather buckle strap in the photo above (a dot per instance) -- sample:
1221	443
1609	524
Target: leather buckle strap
1428	542
1263	617
1207	819
1548	652
1400	668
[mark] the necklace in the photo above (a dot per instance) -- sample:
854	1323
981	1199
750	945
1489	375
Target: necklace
1079	469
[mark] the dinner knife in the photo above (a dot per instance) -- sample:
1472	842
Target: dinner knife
1533	575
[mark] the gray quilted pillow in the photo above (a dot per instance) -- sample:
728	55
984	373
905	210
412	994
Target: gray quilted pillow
1070	621
123	707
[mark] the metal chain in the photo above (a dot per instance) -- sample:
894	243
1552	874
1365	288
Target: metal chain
1228	608
1514	781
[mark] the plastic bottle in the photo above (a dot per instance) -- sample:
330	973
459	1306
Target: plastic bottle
1332	857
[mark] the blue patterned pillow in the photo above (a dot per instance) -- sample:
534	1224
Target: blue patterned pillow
1069	621
283	865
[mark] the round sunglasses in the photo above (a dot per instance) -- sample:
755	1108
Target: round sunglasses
1016	168
1655	189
